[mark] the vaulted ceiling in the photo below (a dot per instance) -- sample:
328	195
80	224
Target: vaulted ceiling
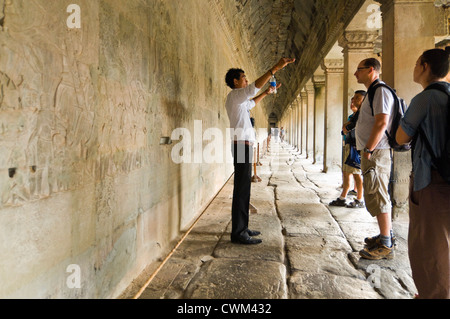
304	29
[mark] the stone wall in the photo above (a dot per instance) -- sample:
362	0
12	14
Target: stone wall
84	180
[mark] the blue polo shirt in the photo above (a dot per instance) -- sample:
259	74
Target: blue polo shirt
429	110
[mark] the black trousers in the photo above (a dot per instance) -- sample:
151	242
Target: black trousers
242	160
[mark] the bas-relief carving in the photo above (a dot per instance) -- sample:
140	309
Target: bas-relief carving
71	132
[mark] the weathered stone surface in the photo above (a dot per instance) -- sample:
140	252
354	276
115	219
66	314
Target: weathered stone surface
82	112
239	279
321	254
172	280
329	286
319	260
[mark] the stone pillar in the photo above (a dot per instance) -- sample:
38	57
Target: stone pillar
287	123
319	115
299	123
309	88
294	124
408	30
358	45
404	40
291	126
303	121
334	78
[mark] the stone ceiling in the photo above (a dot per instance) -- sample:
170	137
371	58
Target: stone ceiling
304	29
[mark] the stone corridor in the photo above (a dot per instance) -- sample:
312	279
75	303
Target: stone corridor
309	249
93	94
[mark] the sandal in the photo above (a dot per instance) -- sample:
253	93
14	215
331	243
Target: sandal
356	204
338	202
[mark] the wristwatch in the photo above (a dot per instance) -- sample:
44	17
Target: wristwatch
366	150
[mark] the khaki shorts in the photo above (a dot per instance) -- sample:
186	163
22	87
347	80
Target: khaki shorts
347	168
376	174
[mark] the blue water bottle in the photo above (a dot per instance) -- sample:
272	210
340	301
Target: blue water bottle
273	82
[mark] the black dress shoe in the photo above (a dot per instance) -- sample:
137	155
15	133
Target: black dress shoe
253	232
246	240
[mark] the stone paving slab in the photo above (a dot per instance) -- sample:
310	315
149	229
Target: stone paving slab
328	286
309	249
231	278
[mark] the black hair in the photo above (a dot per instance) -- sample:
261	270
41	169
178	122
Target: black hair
374	63
437	59
362	92
231	75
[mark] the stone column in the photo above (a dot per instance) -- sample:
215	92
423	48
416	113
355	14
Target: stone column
287	123
334	78
303	121
309	88
408	30
319	115
358	45
299	123
291	127
294	124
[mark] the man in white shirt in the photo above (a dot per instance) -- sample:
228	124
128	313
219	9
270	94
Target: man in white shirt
375	157
238	104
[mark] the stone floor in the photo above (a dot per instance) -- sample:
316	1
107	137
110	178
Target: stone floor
309	249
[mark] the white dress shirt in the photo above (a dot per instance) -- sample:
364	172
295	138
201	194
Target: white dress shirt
238	104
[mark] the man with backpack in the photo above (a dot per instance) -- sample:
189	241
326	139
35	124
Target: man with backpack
427	123
374	120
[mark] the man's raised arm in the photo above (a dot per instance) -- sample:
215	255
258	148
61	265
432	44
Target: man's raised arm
259	83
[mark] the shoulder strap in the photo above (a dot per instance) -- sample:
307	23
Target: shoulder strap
371	93
442	88
438	86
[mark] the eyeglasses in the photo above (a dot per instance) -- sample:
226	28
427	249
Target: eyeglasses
364	67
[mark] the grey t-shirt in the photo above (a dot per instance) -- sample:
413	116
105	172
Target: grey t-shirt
428	110
383	102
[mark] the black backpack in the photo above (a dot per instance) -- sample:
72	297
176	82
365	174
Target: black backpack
400	109
442	162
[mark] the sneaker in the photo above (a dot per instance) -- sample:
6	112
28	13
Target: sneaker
338	202
375	240
356	204
352	192
377	252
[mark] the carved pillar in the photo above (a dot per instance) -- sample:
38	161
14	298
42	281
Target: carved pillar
319	115
289	126
309	88
292	127
303	121
358	45
299	123
334	79
404	40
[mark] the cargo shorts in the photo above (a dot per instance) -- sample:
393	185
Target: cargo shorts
376	174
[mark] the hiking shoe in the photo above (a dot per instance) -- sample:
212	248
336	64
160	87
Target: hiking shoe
377	252
356	204
371	242
338	202
352	192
